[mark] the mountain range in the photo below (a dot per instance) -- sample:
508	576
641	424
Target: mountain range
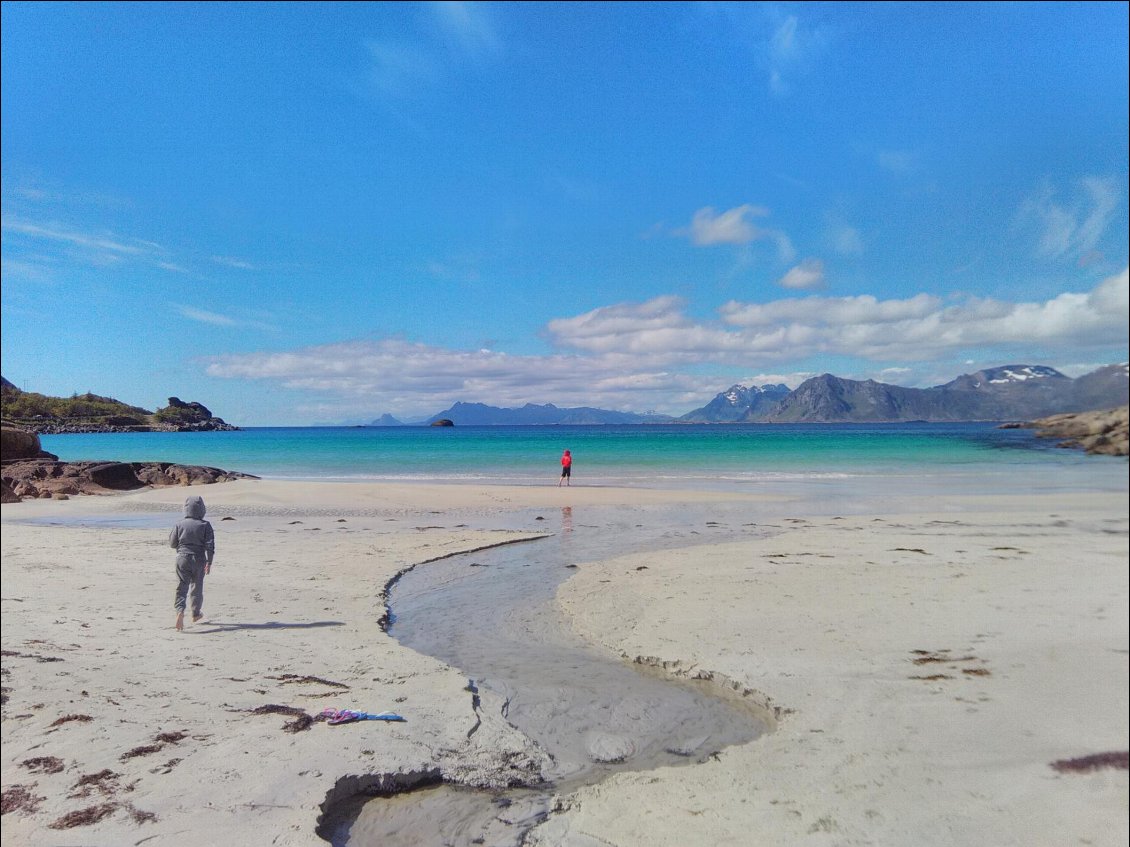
1006	393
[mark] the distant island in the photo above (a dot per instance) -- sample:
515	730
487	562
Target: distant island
47	415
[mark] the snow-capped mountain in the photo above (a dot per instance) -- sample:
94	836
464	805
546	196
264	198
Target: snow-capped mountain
738	403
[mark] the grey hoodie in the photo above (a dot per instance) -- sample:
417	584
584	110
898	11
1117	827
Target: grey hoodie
193	534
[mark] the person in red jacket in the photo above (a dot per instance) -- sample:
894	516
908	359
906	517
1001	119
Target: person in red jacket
566	468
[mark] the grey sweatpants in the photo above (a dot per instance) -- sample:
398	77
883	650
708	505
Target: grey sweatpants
190	573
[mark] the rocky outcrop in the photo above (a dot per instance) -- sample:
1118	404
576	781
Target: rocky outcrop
18	443
189	417
1103	432
43	478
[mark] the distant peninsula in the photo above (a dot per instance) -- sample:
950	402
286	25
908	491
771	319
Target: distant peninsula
47	415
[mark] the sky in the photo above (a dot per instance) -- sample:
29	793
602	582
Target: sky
318	213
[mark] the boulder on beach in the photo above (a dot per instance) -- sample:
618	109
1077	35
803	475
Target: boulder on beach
18	443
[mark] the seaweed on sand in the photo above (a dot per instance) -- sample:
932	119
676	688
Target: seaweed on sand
44	764
301	721
1119	760
84	817
18	798
143	750
296	679
105	782
69	718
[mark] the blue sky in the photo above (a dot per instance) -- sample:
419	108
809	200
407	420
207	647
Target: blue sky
317	213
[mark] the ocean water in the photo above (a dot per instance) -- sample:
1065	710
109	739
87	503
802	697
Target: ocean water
716	456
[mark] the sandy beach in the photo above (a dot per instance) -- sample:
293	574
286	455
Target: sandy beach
926	669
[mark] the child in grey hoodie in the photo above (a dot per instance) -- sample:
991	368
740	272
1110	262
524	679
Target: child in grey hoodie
195	544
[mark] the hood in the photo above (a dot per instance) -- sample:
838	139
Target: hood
194	507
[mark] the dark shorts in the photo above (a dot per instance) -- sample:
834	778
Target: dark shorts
567	470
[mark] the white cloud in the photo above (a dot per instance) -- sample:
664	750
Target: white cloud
897	161
469	24
419	379
1112	295
847	240
733	226
655	327
808	274
58	246
202	316
233	262
1104	196
640	355
657	314
782	52
1073	226
460	34
33	271
104	243
791	52
913	329
892	374
729	227
830	311
922	327
216	319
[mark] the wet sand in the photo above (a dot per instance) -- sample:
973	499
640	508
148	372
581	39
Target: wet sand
929	668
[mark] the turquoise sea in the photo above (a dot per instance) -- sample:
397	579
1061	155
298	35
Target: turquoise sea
971	456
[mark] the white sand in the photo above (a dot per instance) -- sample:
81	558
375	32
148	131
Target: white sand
822	619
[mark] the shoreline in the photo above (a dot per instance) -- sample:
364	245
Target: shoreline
87	630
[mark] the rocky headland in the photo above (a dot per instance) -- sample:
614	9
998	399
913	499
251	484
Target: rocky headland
88	412
29	472
1102	432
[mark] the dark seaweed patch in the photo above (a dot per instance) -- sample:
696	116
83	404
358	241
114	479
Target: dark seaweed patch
301	721
69	718
1119	760
104	782
18	798
143	750
43	764
84	817
296	679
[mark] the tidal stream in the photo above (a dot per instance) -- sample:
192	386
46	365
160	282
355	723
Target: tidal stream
492	615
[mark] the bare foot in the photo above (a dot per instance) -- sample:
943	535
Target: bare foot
180	621
197	618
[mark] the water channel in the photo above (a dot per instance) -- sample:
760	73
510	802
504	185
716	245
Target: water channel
492	615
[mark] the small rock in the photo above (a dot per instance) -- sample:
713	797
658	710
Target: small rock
607	748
